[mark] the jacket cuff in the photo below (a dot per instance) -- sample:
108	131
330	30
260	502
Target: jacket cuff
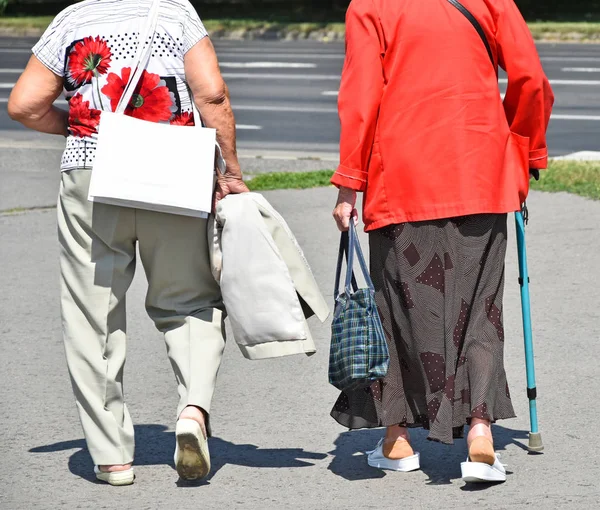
538	159
345	177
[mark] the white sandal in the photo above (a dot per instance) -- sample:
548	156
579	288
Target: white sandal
192	458
479	472
377	459
115	478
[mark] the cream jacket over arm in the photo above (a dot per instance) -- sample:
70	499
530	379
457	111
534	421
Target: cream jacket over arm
267	285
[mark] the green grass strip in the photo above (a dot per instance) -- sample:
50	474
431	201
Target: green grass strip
213	25
26	22
290	180
565	32
577	177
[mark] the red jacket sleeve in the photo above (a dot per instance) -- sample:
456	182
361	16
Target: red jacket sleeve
529	98
360	94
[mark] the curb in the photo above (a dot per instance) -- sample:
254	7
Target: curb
580	156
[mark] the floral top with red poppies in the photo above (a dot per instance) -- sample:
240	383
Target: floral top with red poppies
92	46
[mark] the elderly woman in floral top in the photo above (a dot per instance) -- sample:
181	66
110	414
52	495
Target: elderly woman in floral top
87	54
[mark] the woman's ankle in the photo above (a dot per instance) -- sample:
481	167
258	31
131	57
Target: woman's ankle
113	468
396	433
396	444
195	413
480	428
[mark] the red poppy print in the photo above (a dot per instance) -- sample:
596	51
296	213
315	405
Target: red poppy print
88	58
83	120
184	119
151	100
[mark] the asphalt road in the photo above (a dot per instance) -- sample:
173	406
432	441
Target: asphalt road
284	99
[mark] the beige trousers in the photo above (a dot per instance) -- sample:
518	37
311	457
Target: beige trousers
97	262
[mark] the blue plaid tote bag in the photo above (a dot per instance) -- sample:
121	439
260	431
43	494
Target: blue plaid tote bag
359	353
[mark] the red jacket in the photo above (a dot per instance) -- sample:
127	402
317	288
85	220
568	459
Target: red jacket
424	131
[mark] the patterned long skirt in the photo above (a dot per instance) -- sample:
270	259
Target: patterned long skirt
439	287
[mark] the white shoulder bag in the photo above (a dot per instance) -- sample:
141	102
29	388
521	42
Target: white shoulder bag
153	166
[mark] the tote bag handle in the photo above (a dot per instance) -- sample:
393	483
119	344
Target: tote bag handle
142	56
350	246
344	245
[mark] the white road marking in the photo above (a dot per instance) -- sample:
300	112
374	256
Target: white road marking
11	71
266	65
298	56
558	116
291	109
577	83
268	76
570	59
6	85
581	69
248	127
330	93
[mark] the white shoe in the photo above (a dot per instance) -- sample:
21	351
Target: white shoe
192	458
115	478
479	472
377	459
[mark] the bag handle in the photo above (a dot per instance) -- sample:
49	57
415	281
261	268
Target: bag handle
350	246
355	243
473	20
142	56
344	245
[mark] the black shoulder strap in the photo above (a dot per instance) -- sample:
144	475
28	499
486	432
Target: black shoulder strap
475	24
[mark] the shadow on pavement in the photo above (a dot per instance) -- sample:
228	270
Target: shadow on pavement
441	463
349	459
155	446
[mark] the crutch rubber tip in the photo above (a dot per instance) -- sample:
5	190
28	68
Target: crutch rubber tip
535	442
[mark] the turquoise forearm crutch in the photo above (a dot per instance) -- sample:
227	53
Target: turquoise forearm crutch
535	437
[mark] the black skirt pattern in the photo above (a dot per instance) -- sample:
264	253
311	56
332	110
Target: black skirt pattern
439	287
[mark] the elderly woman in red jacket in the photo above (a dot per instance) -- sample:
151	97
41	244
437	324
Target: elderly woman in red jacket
441	160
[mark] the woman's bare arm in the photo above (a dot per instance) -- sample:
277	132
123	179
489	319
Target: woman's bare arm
211	96
31	100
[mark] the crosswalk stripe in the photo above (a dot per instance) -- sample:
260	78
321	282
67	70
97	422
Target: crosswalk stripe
559	116
581	69
266	65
